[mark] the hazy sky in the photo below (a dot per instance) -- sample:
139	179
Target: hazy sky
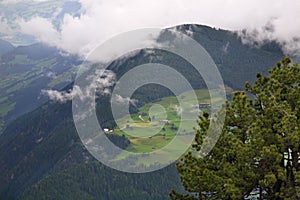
101	19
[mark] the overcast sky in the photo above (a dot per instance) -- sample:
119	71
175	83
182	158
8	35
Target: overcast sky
102	19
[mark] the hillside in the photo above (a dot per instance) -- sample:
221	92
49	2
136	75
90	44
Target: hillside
25	71
5	47
42	156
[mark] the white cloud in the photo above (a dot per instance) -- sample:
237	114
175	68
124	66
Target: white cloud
5	27
42	29
51	75
63	96
101	20
178	110
99	84
124	100
19	1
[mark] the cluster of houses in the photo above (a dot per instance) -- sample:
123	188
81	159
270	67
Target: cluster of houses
161	121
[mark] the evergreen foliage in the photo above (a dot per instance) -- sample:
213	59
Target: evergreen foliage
257	154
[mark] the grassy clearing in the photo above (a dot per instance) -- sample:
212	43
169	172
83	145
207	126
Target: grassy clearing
3	99
20	85
4	109
19	59
65	77
156	124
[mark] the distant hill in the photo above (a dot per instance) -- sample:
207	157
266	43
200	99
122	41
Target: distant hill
41	153
25	71
5	47
36	51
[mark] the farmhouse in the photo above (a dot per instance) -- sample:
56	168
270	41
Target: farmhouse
106	130
204	105
164	121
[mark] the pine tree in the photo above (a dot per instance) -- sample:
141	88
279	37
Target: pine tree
257	154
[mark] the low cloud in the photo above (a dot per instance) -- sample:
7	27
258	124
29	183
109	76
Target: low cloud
100	20
42	29
63	96
5	27
124	100
274	30
20	1
178	110
99	84
51	75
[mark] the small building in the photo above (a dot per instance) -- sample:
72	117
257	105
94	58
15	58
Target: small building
164	121
204	105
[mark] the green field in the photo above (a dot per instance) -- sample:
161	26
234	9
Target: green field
5	108
156	124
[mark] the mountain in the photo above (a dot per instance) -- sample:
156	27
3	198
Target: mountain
5	47
25	71
42	156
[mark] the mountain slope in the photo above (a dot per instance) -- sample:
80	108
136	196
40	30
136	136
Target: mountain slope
5	47
25	71
42	157
236	61
51	150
